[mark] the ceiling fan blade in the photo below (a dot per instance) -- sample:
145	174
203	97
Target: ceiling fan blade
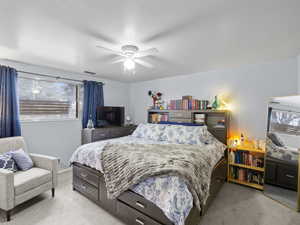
151	51
177	28
143	63
110	50
118	61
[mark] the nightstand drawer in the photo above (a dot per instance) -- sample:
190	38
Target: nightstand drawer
97	136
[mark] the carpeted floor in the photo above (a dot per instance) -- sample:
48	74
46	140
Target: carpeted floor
235	205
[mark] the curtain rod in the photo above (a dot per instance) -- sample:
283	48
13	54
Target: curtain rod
56	77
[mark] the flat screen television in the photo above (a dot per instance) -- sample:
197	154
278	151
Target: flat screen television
110	116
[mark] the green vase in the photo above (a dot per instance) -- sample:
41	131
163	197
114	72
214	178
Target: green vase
216	104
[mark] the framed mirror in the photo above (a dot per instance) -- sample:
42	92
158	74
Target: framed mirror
282	151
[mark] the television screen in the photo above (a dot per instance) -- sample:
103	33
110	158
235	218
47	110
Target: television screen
110	116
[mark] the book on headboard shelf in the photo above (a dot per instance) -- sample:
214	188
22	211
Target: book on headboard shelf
188	103
158	117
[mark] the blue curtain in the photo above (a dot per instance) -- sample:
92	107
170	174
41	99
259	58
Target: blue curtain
9	103
92	98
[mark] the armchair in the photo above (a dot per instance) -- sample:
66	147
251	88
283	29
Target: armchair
16	188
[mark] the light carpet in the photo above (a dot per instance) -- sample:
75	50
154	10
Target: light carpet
234	205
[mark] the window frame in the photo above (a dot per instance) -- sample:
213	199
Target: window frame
78	107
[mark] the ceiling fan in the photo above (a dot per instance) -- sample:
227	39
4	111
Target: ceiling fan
130	55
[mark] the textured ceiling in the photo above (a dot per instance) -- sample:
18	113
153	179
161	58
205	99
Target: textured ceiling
191	36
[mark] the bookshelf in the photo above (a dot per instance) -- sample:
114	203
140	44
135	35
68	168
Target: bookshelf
246	165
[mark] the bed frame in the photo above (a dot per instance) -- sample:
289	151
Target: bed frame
133	208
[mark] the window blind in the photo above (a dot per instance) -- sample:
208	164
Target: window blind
44	107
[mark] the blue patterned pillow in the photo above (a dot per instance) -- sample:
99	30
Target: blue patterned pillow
22	159
150	131
7	162
192	135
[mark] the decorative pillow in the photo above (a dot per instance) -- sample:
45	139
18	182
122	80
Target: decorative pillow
7	162
22	159
178	134
149	131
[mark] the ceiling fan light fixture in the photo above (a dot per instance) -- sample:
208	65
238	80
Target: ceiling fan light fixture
129	64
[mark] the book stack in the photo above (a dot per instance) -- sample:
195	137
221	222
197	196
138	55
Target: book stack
246	158
156	117
188	103
246	175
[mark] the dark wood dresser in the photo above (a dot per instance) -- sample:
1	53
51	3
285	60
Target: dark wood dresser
282	173
99	134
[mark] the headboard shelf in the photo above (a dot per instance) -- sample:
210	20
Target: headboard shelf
180	110
217	121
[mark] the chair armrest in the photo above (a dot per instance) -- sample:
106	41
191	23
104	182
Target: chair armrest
6	189
47	163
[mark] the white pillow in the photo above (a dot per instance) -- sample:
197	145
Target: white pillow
179	134
149	131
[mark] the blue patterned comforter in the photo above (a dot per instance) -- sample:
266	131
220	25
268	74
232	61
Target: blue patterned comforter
169	193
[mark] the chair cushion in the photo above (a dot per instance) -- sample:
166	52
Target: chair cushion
29	179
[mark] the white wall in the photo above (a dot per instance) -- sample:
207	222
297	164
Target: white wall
61	138
298	61
250	88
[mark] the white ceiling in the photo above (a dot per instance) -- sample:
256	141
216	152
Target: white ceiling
191	35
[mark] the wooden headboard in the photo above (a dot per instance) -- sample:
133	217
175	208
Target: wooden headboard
212	119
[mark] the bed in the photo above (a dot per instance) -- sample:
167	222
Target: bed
163	200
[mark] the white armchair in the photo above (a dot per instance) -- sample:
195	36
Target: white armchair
16	188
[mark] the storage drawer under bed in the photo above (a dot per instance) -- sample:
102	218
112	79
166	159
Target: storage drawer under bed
138	202
86	175
86	188
131	207
134	217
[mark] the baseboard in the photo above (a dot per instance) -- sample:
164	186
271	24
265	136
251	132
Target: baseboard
65	170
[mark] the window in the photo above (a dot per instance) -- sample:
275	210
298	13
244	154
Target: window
47	100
